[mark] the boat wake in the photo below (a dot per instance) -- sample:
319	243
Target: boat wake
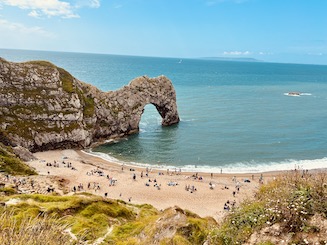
296	94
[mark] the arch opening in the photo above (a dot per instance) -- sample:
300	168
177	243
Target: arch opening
150	118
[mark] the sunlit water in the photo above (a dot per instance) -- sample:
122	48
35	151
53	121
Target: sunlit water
235	116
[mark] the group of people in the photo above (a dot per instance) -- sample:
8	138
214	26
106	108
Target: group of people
25	184
229	205
56	164
190	188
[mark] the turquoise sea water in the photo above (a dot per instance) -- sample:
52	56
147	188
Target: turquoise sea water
235	116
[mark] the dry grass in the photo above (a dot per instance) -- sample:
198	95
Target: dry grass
42	230
290	201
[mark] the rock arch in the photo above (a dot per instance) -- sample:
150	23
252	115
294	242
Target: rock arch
44	107
127	103
159	92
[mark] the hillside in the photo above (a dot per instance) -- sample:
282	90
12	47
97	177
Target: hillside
289	210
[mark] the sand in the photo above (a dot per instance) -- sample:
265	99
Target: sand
81	169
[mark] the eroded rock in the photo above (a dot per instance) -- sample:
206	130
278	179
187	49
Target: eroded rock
44	107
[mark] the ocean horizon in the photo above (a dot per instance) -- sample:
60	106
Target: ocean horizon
236	116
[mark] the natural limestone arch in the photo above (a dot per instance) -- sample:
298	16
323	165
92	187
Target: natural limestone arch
160	93
44	107
127	104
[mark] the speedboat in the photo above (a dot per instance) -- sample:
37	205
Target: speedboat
293	93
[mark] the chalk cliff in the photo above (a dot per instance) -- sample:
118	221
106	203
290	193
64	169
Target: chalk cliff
44	107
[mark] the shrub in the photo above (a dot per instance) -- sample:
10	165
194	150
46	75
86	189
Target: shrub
290	200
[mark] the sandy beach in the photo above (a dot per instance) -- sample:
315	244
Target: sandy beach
202	193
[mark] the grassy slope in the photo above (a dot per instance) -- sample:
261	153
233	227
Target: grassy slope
289	203
10	164
89	217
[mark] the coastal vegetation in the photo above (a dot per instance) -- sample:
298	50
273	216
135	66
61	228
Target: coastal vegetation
291	209
90	217
11	164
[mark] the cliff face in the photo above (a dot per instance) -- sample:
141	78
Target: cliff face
44	107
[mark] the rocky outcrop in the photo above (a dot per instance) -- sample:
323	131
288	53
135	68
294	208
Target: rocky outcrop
44	107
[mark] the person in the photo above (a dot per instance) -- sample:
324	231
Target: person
134	176
261	179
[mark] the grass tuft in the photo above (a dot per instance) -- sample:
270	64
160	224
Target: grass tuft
32	231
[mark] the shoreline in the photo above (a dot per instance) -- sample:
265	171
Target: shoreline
287	165
203	193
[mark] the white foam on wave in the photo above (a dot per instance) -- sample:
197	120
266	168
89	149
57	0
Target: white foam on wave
103	156
112	159
266	167
247	167
188	120
111	141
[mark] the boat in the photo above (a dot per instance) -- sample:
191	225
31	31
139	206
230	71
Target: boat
293	93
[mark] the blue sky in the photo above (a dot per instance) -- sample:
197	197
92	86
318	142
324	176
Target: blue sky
292	31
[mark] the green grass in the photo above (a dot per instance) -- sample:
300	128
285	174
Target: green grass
38	230
11	164
41	63
89	216
290	200
67	80
89	107
10	190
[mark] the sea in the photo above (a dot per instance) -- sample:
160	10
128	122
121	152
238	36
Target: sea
235	116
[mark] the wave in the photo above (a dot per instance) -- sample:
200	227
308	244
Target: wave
241	167
188	120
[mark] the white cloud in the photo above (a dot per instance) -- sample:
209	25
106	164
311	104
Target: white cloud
87	3
34	14
236	53
48	8
22	29
265	53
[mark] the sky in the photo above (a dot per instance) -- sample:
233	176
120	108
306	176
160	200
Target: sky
288	31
